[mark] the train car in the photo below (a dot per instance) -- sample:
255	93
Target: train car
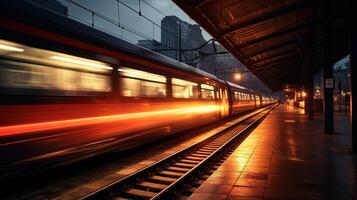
69	92
241	99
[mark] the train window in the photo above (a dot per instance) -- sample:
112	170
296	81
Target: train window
225	94
184	89
138	74
33	71
137	83
236	97
207	91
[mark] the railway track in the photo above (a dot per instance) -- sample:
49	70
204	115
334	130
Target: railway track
179	174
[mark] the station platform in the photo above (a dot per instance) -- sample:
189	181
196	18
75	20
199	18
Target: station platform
287	157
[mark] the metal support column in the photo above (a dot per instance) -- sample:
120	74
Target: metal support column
328	69
353	62
309	89
309	72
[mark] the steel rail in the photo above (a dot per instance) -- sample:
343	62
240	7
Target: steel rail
116	188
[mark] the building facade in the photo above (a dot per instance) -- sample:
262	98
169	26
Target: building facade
150	44
174	36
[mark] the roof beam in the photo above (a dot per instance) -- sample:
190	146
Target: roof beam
275	64
272	35
277	60
273	61
198	3
274	47
277	13
289	51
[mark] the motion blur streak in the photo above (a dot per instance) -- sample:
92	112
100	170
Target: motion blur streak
10	48
45	126
80	62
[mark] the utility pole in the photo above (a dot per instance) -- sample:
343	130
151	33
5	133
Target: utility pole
309	67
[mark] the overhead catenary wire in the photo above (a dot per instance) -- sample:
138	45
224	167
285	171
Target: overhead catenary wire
111	21
140	13
192	61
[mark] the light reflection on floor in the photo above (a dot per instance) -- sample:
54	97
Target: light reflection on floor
282	160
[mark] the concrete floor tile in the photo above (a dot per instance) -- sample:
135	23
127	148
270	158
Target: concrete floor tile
250	182
214	188
247	191
207	196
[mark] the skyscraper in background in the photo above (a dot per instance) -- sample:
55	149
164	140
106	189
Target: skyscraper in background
199	53
150	44
174	31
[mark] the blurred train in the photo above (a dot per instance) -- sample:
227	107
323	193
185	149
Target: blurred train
69	92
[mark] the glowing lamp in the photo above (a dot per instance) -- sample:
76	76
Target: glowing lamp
304	94
238	76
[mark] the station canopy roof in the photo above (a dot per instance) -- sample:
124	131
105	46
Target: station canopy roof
272	37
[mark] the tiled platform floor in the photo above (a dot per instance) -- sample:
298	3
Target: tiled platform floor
287	157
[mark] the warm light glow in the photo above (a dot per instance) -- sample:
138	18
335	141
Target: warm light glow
10	48
149	115
238	76
181	82
304	94
208	87
184	89
142	75
81	62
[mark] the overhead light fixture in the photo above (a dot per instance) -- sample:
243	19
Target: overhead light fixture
10	48
80	62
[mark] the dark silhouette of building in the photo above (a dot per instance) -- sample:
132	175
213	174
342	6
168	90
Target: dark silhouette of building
174	36
150	44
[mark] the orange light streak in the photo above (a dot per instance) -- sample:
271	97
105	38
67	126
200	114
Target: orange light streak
46	126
